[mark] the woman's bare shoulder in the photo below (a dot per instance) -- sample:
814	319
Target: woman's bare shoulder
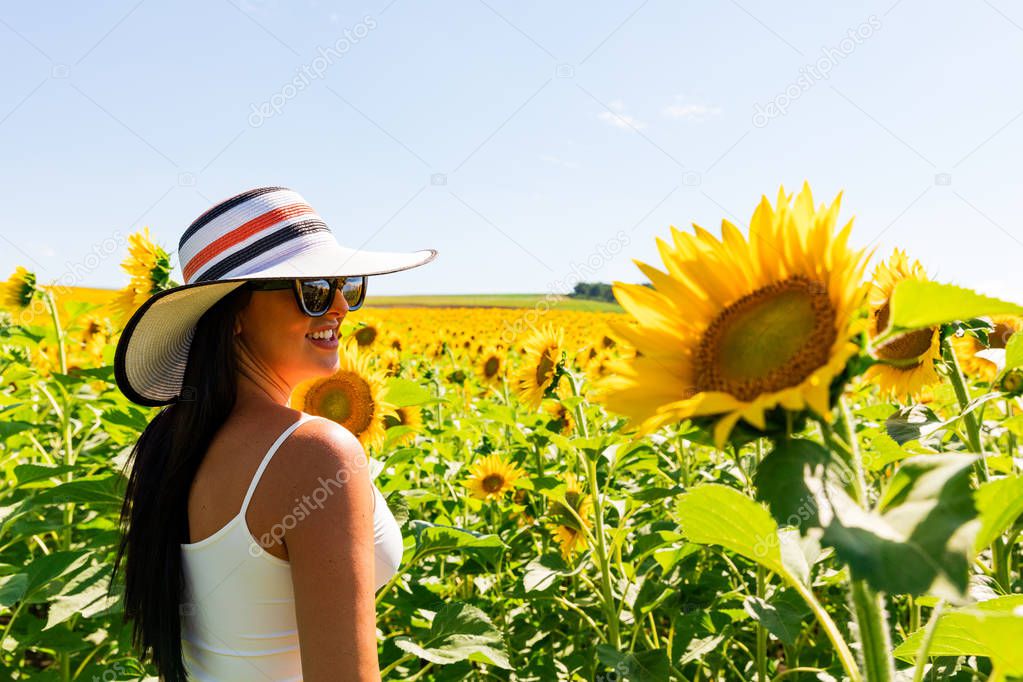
319	448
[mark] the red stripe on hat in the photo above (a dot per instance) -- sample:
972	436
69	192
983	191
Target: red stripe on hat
241	233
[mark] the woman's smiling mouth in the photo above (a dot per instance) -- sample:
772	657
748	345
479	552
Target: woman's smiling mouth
324	338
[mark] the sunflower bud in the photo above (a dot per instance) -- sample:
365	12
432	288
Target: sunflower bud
1012	382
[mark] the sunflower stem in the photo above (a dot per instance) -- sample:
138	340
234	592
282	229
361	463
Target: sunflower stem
955	375
598	512
999	554
761	630
51	303
1010	437
683	462
872	626
868	605
848	426
925	645
67	445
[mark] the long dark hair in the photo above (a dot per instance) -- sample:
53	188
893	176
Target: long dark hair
154	514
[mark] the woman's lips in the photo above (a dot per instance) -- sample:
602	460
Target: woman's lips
328	343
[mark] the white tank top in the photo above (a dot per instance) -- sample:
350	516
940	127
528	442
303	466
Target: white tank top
238	609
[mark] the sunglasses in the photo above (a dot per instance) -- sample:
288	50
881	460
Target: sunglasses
315	296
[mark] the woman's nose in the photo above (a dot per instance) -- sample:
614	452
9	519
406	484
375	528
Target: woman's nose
340	303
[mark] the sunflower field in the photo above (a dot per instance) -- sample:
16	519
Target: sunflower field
789	458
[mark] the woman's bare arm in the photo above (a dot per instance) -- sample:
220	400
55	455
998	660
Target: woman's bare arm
331	551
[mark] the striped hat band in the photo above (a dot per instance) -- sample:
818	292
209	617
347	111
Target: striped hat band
249	232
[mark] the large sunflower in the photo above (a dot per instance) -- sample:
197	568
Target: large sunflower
492	477
735	328
906	363
352	397
565	527
967	346
538	369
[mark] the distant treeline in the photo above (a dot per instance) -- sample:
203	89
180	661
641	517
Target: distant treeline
596	291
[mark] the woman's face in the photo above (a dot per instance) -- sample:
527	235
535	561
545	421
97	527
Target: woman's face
278	336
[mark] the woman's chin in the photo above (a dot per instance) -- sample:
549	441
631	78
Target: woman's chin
325	369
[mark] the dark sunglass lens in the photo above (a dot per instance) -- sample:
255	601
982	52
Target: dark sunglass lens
316	294
352	290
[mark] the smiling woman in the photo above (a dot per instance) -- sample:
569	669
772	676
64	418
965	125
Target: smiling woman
258	315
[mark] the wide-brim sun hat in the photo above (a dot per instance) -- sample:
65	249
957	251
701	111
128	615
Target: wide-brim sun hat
264	233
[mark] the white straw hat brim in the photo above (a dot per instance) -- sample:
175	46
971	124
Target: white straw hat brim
152	352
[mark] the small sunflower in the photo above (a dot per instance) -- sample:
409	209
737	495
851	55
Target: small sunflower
522	502
491	367
390	362
539	366
410	416
560	418
366	335
17	292
906	363
46	358
492	476
565	527
967	346
737	328
597	363
95	333
149	267
352	397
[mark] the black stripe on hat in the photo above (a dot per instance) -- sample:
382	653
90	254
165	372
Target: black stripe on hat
261	246
221	208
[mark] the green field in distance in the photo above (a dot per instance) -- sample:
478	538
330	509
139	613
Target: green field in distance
492	301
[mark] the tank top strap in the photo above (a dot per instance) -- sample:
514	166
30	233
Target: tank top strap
266	459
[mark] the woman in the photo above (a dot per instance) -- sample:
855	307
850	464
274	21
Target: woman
227	461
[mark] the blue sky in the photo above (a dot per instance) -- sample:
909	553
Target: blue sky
531	143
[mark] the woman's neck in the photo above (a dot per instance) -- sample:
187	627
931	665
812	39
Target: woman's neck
258	383
255	391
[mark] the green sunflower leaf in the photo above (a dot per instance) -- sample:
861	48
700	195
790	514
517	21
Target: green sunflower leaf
404	393
1000	503
914	422
1014	351
105	489
782	615
544	572
916	303
781	480
640	666
992	628
880	449
714	514
926	519
459	632
438	539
